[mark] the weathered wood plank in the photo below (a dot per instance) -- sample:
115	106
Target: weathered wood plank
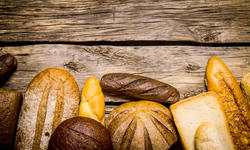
113	20
181	66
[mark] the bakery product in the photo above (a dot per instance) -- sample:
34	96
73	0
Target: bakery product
141	125
10	102
139	87
92	101
220	80
208	137
80	133
8	64
51	97
190	113
245	86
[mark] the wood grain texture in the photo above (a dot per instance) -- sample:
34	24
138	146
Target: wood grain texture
180	66
125	20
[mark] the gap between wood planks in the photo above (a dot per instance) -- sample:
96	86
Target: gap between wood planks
128	43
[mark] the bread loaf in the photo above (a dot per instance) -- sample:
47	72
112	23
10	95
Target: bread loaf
190	113
139	87
92	101
51	97
208	137
245	86
8	65
80	133
220	79
141	125
10	102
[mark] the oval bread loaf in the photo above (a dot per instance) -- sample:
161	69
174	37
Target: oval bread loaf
139	87
141	125
51	97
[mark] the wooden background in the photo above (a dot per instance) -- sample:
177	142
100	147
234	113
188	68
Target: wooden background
166	40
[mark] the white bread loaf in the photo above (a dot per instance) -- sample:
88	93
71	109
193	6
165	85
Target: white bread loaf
190	113
51	97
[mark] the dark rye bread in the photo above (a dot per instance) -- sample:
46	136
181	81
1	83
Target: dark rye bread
139	87
10	102
141	125
8	64
51	97
80	133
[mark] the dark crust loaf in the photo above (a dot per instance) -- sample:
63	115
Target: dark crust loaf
10	102
80	133
141	125
8	64
139	87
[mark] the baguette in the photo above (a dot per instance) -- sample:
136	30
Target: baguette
51	97
139	87
220	79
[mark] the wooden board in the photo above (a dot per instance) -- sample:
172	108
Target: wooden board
224	21
181	66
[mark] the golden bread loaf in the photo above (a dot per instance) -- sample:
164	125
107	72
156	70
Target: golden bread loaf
220	79
51	97
141	125
192	112
92	101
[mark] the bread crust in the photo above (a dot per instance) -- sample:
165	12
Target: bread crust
10	102
92	101
141	125
51	97
175	106
220	79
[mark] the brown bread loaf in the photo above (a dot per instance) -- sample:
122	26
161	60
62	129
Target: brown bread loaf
51	97
80	133
8	65
141	125
220	79
10	102
139	87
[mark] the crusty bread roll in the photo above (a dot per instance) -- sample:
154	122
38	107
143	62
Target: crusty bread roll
220	79
208	137
51	97
190	113
92	101
141	125
10	102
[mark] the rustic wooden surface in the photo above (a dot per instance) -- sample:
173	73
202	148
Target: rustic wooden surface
181	66
224	21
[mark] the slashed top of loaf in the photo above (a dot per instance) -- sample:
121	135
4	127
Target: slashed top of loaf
51	97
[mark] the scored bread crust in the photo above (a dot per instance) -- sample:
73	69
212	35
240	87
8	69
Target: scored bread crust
141	125
51	97
179	117
220	79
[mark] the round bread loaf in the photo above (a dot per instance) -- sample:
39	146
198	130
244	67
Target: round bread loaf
141	125
80	133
